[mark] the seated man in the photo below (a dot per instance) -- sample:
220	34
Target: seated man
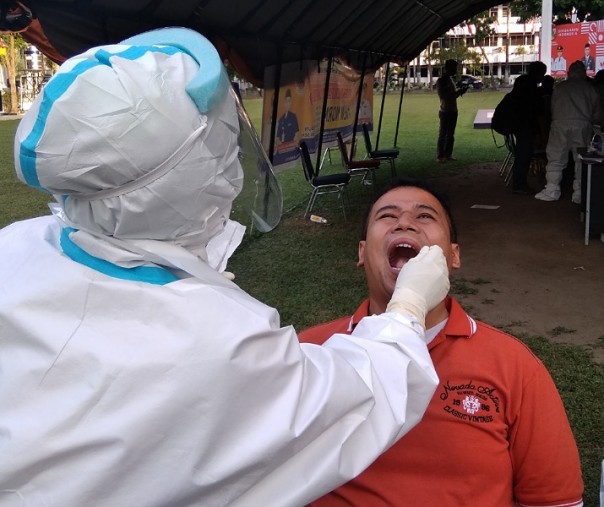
495	432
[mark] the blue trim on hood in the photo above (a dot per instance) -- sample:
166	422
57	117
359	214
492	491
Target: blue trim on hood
53	91
148	274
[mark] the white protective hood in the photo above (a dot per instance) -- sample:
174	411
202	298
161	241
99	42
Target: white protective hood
139	157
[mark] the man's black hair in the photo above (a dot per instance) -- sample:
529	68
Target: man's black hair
415	183
537	70
449	64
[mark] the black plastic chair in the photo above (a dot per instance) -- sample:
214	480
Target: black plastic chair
506	166
326	184
362	168
389	154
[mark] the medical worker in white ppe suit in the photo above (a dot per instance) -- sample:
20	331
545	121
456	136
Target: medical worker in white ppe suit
132	372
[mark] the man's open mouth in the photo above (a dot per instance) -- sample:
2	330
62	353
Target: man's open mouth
399	253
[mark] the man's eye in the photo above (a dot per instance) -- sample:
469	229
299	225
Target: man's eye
425	215
386	215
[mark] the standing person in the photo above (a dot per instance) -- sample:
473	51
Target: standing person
447	114
598	83
575	108
287	126
537	70
544	117
559	62
495	432
527	104
132	371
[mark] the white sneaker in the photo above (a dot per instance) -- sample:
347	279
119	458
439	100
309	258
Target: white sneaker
576	198
548	195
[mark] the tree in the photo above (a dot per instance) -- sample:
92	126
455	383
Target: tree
429	55
521	51
14	44
586	10
483	28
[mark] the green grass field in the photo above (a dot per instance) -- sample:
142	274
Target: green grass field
308	271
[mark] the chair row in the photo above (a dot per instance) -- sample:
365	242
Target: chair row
336	183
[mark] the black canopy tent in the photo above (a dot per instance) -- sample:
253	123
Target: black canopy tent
255	34
260	33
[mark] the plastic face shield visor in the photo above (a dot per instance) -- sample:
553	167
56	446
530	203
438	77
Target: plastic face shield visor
259	205
260	202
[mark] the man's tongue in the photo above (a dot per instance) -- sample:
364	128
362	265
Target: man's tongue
399	263
400	256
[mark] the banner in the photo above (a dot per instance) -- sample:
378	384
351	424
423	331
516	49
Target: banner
301	102
578	41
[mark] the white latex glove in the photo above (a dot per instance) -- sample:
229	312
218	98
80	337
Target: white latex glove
421	285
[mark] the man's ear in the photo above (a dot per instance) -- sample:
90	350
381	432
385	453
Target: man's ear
455	256
361	261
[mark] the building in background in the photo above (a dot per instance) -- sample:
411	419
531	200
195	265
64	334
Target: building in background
501	58
37	70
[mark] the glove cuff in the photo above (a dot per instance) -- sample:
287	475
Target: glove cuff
408	302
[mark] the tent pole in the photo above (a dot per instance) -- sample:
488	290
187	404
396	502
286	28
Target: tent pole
360	96
400	105
324	110
276	88
377	139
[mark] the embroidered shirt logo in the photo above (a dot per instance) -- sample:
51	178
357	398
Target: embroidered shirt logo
470	401
471	404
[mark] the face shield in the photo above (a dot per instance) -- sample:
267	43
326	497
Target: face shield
260	202
259	205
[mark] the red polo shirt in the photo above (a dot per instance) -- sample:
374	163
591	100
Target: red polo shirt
494	433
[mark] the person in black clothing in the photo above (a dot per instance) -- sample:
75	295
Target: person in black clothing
544	116
527	103
537	71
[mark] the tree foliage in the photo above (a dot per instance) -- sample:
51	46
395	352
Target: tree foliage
13	58
564	11
484	27
457	51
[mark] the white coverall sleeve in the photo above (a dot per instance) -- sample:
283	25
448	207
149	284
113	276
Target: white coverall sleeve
382	376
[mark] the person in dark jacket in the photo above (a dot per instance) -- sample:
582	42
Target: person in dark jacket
527	104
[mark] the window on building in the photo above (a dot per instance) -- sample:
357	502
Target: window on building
492	40
517	40
516	69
